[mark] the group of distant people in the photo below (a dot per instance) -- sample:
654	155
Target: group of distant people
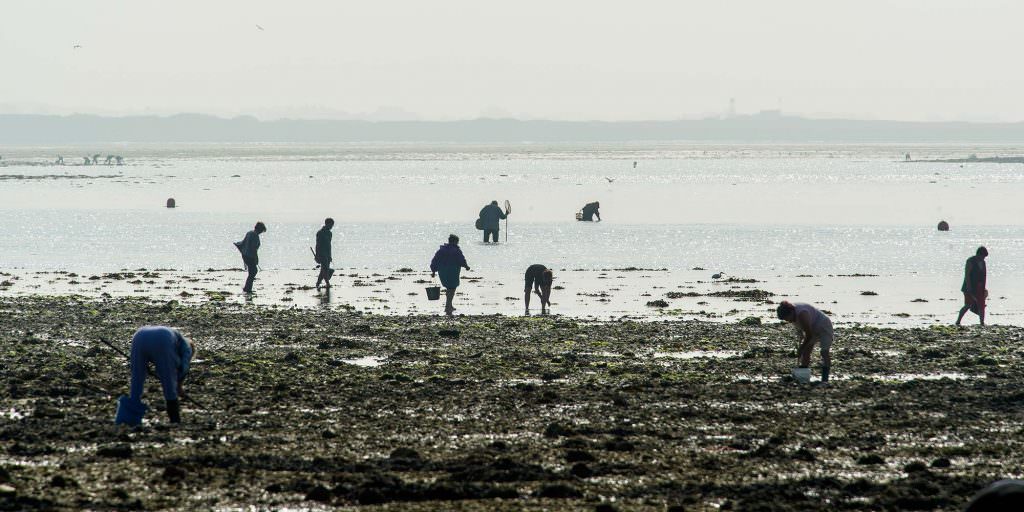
813	324
170	351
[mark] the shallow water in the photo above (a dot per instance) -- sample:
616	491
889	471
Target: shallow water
774	213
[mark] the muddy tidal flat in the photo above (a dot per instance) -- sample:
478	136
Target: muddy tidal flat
322	409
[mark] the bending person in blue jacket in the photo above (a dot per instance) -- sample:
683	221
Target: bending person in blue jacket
449	261
170	352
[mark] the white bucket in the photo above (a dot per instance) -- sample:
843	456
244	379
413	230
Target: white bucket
802	375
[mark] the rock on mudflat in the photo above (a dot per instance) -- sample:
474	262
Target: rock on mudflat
117	451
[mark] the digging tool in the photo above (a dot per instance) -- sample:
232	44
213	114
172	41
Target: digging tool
152	373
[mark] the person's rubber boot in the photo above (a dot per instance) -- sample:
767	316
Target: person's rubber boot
824	374
174	411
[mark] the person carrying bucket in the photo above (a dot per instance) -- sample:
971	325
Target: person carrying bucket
171	353
449	262
815	327
490	220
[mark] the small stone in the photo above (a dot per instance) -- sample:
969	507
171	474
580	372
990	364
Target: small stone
319	493
174	474
581	470
405	453
117	451
605	507
62	481
557	430
328	434
870	460
6	490
449	333
578	456
941	462
559	491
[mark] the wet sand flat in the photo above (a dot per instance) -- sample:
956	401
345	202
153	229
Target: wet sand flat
312	409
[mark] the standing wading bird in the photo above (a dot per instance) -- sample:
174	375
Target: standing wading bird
718	275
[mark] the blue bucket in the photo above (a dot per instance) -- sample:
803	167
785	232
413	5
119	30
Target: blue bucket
129	412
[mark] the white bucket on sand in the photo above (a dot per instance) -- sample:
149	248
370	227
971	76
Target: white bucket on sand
802	375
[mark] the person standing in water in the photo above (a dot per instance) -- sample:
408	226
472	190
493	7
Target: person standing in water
815	327
975	293
249	247
449	261
322	254
591	210
171	353
490	220
539	278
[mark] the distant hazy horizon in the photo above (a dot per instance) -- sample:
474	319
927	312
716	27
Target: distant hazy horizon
940	60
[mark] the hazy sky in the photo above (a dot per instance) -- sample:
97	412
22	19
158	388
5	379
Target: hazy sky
559	59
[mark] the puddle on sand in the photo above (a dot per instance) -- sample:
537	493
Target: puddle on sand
365	362
698	354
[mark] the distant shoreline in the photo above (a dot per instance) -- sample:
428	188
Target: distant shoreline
761	128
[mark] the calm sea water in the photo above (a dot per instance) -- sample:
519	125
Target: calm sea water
754	211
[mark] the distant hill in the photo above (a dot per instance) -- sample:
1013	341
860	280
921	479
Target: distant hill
766	127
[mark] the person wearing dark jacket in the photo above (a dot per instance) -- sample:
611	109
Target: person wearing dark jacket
322	254
171	353
449	261
590	210
975	293
490	220
249	247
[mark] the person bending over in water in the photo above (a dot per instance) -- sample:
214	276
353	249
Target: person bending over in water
249	247
170	352
490	219
590	211
815	327
975	293
322	254
449	261
539	277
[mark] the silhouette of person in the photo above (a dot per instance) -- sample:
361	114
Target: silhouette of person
448	261
975	293
590	211
170	352
815	327
322	255
539	278
490	217
249	247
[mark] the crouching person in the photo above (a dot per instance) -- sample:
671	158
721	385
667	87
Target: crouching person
170	352
815	328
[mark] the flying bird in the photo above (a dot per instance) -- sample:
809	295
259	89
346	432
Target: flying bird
77	46
259	27
610	180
